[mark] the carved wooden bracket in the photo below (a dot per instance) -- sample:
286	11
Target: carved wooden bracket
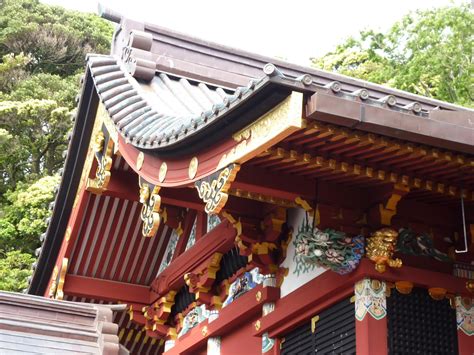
382	213
201	280
157	314
213	190
104	163
150	213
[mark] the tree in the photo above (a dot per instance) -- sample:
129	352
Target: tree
42	54
15	269
428	53
24	213
56	39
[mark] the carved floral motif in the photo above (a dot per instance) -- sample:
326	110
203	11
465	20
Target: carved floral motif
213	190
380	249
329	249
370	298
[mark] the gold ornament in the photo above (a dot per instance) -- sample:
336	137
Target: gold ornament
213	190
380	249
104	164
140	160
162	172
150	215
193	166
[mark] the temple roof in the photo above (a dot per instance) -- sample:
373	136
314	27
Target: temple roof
169	94
31	324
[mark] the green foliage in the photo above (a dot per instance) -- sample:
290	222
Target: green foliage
428	53
12	71
56	39
38	131
24	213
42	50
15	269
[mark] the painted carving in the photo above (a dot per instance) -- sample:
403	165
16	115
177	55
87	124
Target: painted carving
380	249
465	315
104	164
329	249
149	215
420	245
213	190
370	298
170	248
242	285
267	343
212	222
195	316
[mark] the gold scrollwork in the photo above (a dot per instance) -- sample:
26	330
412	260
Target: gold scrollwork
150	213
213	190
269	129
59	276
104	164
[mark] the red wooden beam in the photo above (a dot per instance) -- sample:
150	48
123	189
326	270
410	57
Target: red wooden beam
81	286
240	311
311	298
280	185
219	240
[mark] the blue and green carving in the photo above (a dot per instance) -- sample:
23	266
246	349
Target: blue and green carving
329	248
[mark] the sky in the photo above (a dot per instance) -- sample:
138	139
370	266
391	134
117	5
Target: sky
294	30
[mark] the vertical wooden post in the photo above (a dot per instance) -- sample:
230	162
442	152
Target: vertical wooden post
465	325
371	317
268	344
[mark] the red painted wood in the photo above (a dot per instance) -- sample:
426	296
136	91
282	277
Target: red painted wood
75	224
81	286
220	239
201	225
177	174
371	336
310	298
239	314
465	343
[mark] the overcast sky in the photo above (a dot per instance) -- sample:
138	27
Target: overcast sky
293	29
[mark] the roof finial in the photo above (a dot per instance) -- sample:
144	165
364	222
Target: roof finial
109	14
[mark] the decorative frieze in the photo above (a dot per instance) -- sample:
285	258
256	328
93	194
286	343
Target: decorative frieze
195	316
242	285
370	298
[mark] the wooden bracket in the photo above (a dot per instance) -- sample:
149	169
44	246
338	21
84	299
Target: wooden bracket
383	213
200	281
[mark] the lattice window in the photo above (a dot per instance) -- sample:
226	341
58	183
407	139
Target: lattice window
332	333
417	324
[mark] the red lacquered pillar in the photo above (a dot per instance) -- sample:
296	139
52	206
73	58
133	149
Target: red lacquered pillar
465	324
371	317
